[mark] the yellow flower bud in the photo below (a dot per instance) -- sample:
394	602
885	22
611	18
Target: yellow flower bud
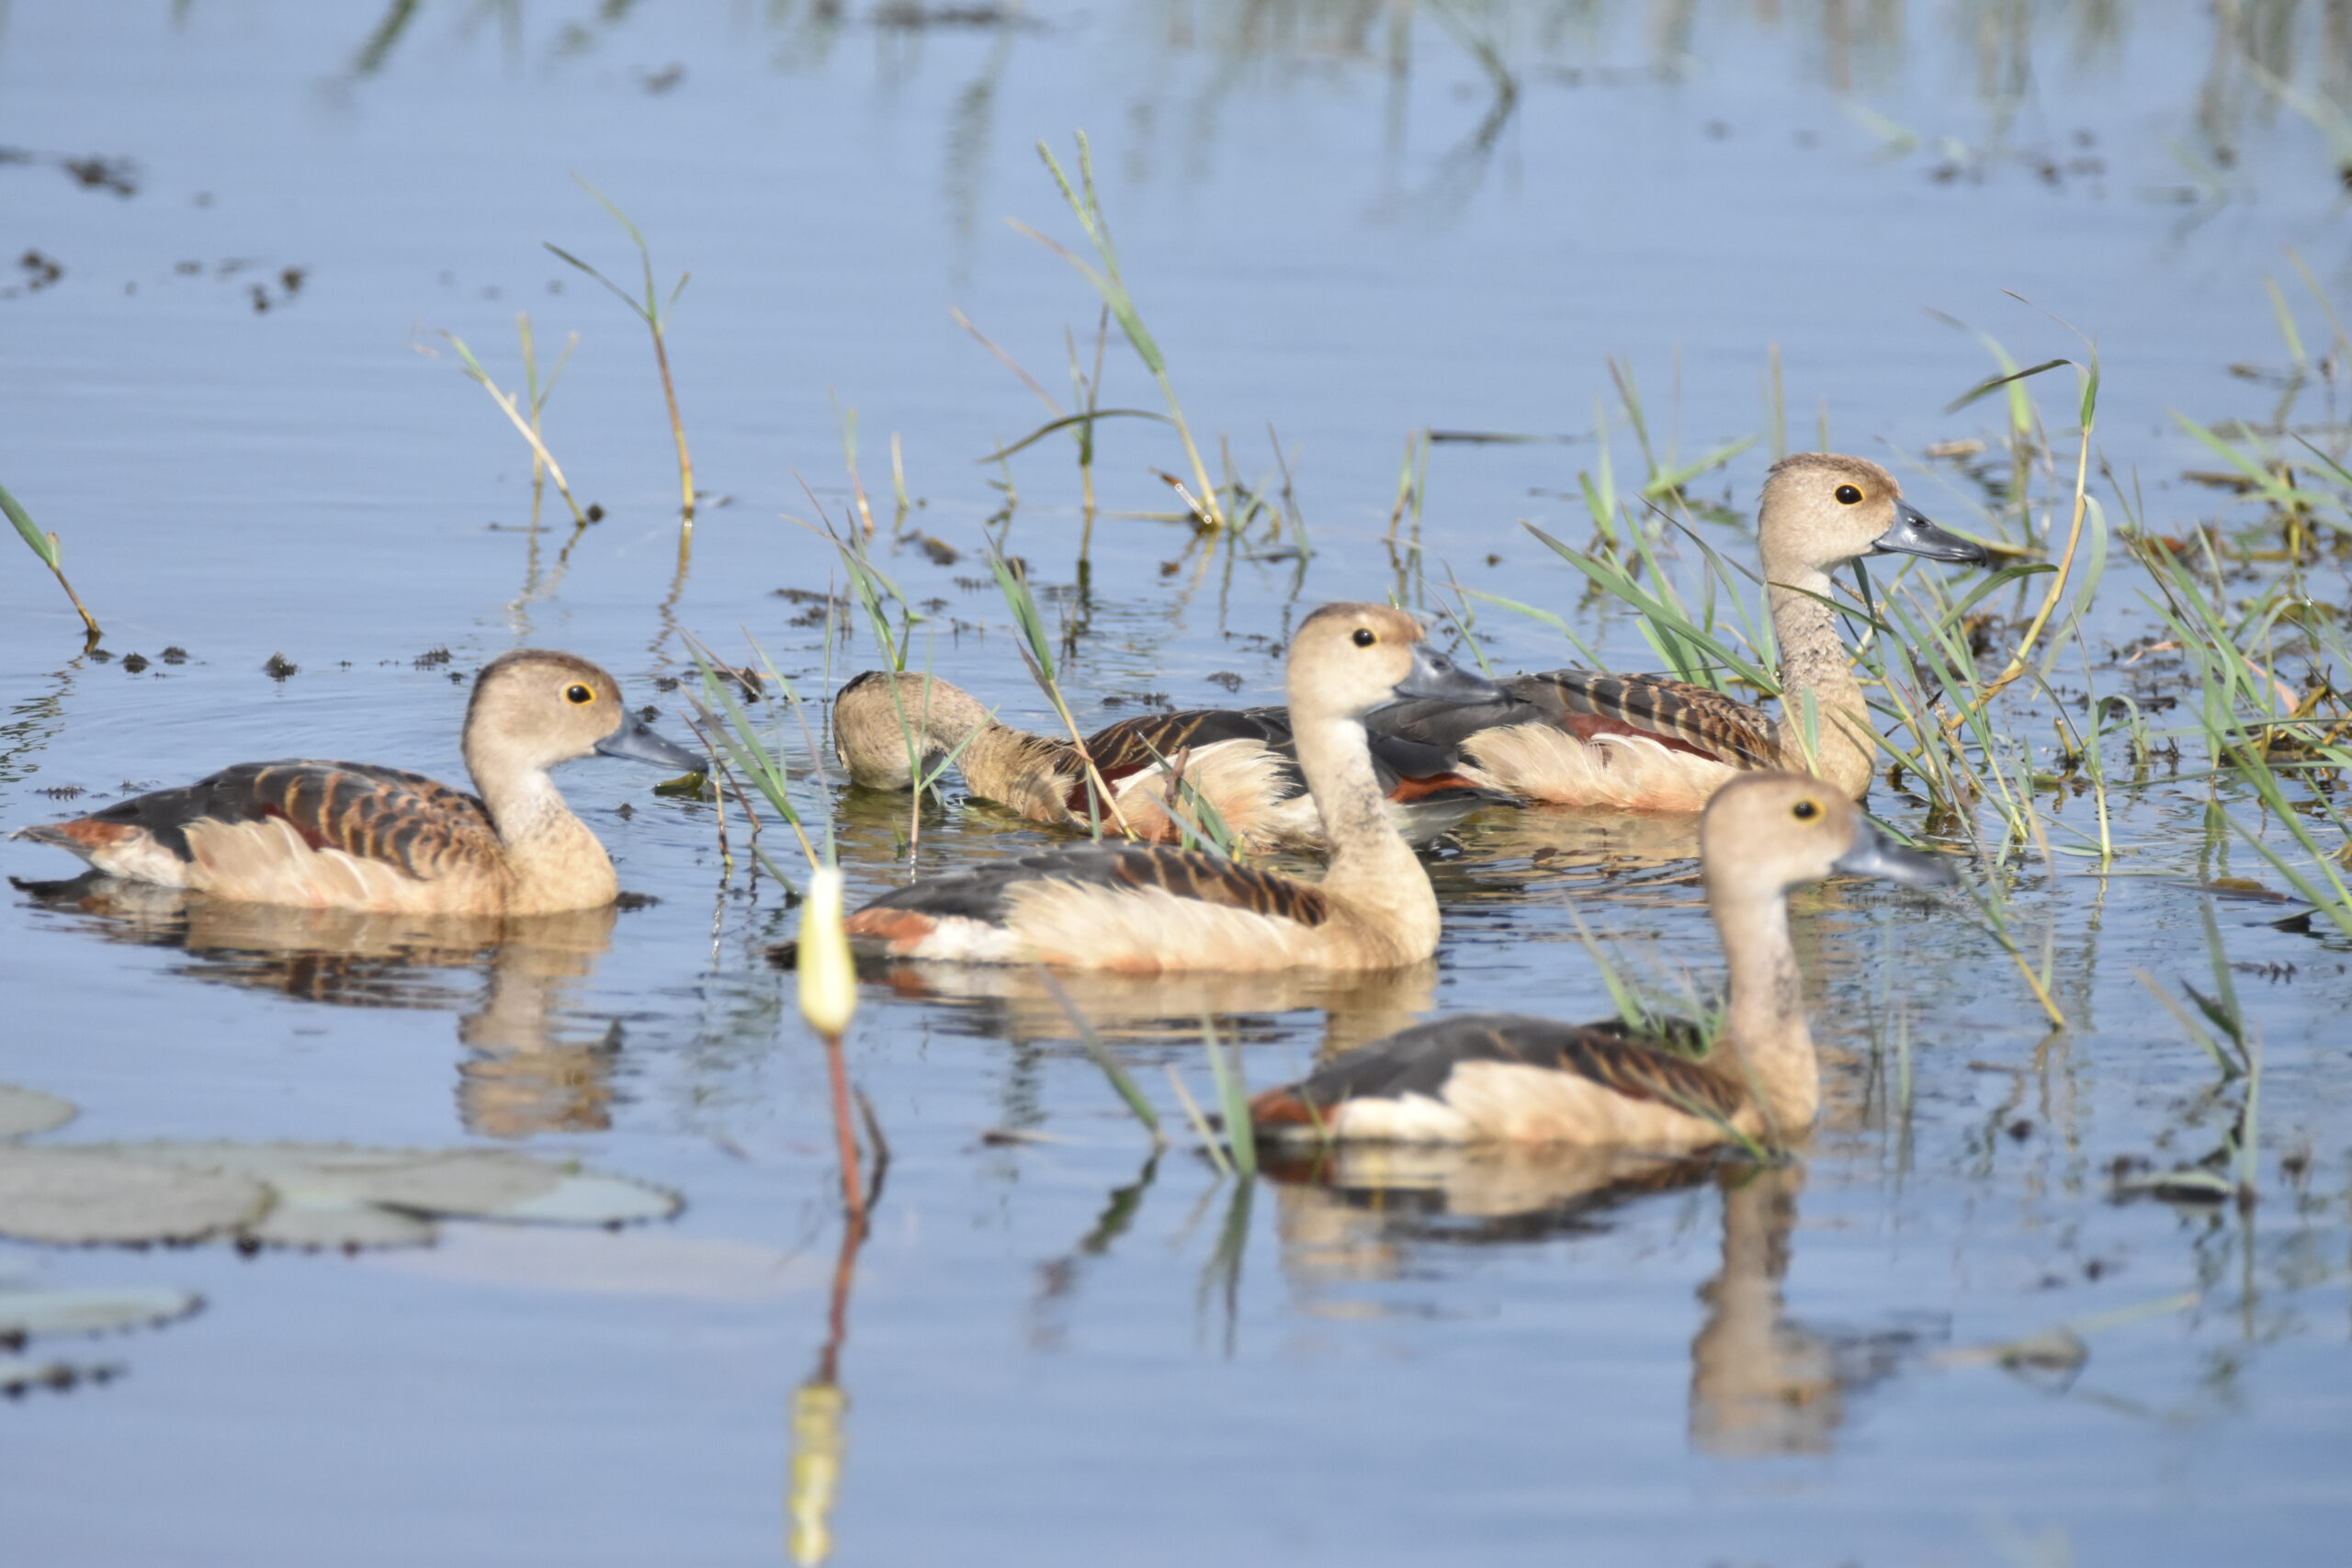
828	977
816	1469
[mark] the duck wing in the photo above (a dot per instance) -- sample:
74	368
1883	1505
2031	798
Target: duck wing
1410	771
983	892
1418	1061
1591	703
1148	740
383	815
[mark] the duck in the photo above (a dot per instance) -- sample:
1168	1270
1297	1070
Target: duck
1653	743
357	836
1513	1080
1153	908
1243	763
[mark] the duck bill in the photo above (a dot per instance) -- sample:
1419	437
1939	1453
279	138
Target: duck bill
1872	854
637	742
1913	534
1436	678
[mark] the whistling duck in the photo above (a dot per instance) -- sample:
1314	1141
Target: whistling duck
1507	1077
1648	742
352	836
1149	908
1241	761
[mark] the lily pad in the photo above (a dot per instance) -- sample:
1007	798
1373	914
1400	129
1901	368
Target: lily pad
82	1196
31	1312
316	1195
587	1198
336	1195
340	1224
24	1112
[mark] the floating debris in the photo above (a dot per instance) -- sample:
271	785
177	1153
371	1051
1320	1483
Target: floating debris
40	270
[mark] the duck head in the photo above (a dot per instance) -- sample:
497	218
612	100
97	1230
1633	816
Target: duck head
1349	659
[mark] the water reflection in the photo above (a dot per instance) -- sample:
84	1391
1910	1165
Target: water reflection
1760	1383
1629	855
2262	60
534	1064
1018	1004
820	1404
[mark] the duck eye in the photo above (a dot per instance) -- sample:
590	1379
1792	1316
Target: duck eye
579	694
1848	495
1366	636
1804	811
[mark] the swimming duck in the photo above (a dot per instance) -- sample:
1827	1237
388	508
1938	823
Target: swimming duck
1241	761
353	836
1649	742
1511	1079
1149	908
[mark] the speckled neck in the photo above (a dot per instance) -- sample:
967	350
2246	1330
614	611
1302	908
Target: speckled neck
1373	869
555	863
1839	745
1013	768
1771	1053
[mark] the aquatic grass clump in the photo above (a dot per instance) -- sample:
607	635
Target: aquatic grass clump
739	749
535	396
1036	651
1104	275
51	556
1915	639
654	312
1086	386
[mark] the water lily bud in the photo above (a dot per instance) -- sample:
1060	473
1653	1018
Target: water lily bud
827	979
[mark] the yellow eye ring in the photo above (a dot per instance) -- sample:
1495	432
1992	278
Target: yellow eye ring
1804	810
1848	495
1366	636
579	695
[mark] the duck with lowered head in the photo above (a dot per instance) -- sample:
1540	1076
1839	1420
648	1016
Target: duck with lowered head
1161	769
1149	908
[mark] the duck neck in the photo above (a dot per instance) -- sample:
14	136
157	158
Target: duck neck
1771	1053
1372	867
1839	743
554	860
990	754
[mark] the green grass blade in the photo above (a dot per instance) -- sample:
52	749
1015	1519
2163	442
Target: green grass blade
1233	1101
42	544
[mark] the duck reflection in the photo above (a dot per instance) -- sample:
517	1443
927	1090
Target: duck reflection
1017	1002
1760	1384
1625	839
535	1066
